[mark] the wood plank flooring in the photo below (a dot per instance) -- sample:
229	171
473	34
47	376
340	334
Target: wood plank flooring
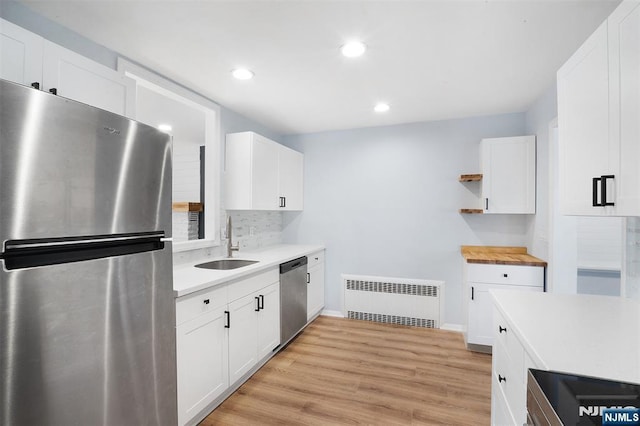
341	371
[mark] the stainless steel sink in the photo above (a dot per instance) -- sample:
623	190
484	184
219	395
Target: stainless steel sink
226	264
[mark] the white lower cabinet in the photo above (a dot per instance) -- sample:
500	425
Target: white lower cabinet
480	278
315	287
509	375
203	371
254	329
221	335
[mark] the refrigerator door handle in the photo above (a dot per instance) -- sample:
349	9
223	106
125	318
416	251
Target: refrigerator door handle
20	254
72	241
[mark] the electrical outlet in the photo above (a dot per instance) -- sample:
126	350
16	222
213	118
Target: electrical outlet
252	231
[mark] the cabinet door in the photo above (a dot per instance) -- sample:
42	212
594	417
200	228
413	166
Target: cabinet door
509	175
624	79
243	336
269	320
78	78
583	125
315	291
480	314
202	364
290	179
264	174
20	54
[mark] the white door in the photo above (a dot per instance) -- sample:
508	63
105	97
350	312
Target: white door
315	290
269	320
624	75
264	180
480	314
76	77
20	54
243	336
290	179
202	365
508	182
583	125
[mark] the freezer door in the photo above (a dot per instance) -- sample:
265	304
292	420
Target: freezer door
67	169
89	343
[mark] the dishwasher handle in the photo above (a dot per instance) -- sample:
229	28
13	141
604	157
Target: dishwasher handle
293	264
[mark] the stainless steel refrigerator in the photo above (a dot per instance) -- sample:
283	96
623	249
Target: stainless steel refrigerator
87	315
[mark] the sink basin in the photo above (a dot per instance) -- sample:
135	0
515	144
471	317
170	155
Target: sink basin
226	264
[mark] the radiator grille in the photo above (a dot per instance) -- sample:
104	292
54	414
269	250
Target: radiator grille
395	288
402	301
392	319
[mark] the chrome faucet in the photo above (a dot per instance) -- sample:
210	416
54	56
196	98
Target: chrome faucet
230	247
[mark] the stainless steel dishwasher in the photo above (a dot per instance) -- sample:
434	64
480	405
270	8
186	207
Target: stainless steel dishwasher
293	298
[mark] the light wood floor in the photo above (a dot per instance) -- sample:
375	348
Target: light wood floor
341	371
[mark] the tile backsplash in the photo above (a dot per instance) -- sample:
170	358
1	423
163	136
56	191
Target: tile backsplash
251	230
255	229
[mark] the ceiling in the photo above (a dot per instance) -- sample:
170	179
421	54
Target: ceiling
429	60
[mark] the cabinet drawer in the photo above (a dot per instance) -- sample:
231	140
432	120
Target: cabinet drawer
251	284
509	380
506	341
315	259
500	413
506	274
193	305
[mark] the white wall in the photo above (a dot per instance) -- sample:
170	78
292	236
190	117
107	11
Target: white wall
385	201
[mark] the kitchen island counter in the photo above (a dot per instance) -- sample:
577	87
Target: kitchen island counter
589	335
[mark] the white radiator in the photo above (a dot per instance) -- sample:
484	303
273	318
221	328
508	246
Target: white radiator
418	303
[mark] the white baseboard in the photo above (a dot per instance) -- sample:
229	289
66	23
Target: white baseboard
452	327
329	313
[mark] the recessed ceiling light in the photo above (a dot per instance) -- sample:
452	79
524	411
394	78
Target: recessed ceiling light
242	74
353	49
381	107
165	128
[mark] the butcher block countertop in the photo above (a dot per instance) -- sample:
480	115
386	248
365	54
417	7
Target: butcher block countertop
500	256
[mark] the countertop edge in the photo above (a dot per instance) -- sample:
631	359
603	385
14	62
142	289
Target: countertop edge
293	252
540	263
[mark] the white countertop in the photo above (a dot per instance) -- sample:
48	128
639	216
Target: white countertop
589	335
188	279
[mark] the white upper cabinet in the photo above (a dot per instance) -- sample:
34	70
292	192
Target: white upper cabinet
509	175
31	60
76	77
20	54
599	129
624	83
290	179
261	174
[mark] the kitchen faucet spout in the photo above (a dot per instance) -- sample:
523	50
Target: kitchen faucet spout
230	247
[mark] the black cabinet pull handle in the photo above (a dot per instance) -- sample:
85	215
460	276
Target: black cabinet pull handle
228	315
603	190
205	301
53	91
502	329
594	195
261	303
505	275
486	204
472	293
35	85
257	304
308	278
501	378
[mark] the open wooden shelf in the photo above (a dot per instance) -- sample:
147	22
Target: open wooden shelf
471	211
470	178
185	206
